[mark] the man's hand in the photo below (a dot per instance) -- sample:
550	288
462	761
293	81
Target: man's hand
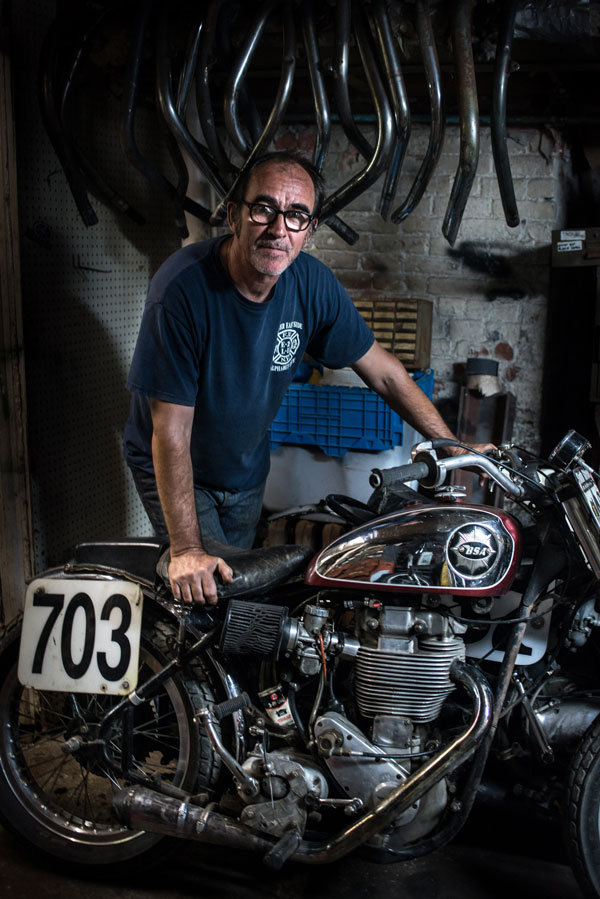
192	576
484	478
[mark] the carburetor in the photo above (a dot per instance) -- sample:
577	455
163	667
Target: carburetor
257	629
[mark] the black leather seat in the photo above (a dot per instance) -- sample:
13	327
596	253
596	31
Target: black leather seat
144	557
253	569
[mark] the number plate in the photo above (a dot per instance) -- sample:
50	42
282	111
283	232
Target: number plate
81	636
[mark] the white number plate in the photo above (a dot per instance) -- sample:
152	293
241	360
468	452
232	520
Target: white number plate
81	636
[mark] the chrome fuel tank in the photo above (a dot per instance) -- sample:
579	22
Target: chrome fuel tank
460	549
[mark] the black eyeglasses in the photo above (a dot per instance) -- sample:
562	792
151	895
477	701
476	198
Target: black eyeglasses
263	214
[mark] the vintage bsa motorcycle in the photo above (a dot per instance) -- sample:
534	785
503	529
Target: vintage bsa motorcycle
353	699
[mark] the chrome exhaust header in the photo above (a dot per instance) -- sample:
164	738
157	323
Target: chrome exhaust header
414	787
141	808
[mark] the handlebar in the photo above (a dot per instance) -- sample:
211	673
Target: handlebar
431	472
412	471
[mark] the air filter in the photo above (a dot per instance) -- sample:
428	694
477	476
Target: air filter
252	628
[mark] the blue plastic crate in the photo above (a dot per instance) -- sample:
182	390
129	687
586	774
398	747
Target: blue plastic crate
338	419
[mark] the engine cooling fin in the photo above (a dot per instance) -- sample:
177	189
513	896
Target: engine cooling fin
412	684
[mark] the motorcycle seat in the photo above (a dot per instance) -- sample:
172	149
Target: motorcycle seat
134	557
253	569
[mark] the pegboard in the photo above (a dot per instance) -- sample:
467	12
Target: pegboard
83	294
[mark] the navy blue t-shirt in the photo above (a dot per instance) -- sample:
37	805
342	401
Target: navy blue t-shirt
203	344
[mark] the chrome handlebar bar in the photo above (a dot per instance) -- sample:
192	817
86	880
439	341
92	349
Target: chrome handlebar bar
432	472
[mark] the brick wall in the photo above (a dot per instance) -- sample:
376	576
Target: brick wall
489	291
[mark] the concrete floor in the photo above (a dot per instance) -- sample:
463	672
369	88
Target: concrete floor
461	870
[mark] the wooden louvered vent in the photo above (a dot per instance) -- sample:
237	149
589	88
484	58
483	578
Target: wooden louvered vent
401	326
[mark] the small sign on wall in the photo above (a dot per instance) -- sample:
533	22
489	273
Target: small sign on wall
575	247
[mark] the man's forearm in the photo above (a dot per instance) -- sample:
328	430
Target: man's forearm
388	377
191	570
175	482
416	408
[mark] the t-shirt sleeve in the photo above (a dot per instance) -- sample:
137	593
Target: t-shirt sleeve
165	359
341	336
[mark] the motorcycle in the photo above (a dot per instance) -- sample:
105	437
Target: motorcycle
356	698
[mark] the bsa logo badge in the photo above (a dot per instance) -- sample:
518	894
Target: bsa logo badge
472	551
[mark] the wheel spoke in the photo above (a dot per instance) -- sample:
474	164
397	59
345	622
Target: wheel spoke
50	783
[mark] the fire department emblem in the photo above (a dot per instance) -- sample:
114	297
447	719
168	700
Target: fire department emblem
286	348
472	551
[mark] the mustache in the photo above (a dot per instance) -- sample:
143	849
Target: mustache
272	244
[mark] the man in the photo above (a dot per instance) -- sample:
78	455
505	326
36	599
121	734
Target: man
226	323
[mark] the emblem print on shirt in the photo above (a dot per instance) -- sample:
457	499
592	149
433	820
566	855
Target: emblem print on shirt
286	346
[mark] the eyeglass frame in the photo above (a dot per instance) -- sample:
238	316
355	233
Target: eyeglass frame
283	212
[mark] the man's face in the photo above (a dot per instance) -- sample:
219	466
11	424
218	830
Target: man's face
270	249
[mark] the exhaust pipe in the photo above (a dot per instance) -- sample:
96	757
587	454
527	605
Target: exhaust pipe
140	808
414	787
462	46
433	75
502	68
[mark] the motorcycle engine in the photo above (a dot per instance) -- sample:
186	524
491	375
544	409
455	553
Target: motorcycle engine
401	658
403	662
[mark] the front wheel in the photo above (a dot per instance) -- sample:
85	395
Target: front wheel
62	802
582	819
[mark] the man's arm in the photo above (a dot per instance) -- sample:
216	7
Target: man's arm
192	570
387	376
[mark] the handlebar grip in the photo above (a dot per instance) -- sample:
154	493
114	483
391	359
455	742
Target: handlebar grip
413	471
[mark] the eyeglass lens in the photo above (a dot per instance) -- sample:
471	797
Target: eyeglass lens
295	219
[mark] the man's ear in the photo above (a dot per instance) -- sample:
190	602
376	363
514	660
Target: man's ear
310	231
232	215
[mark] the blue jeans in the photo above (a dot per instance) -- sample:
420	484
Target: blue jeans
227	516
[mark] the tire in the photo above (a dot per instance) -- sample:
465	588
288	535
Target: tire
582	818
62	803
